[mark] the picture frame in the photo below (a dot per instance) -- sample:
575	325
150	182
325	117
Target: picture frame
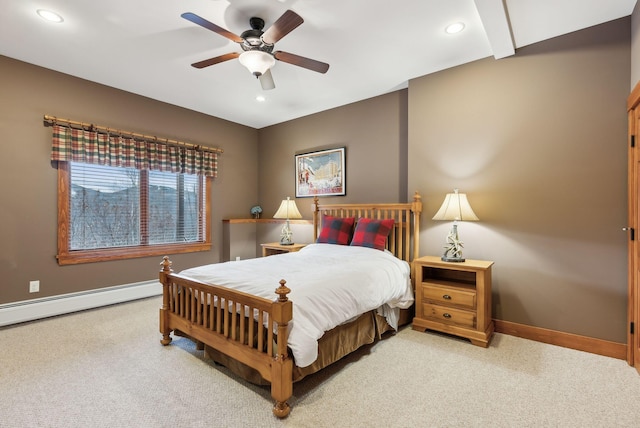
321	173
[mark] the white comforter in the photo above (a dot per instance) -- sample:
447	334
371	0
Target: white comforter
330	285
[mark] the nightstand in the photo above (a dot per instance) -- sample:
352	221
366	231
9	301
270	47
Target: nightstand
454	298
272	248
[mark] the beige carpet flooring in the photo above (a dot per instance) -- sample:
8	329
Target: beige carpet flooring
106	368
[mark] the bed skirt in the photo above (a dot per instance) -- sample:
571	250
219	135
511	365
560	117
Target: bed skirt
332	346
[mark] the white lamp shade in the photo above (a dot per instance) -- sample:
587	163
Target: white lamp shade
257	62
288	209
456	207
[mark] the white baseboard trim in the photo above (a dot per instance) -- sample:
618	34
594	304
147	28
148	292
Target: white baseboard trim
29	310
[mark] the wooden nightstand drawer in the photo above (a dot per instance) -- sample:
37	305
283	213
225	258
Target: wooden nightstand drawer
447	315
449	296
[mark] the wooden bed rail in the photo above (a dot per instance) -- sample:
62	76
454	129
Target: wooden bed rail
248	328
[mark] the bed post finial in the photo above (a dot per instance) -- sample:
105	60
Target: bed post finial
166	264
417	199
282	291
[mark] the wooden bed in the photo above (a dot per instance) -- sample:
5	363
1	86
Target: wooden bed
259	343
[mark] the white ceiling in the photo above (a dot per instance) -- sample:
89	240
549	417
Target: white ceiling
373	46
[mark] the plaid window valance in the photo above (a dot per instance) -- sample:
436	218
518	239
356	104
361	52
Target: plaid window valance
89	146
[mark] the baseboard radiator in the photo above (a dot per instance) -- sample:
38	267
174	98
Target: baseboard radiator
30	310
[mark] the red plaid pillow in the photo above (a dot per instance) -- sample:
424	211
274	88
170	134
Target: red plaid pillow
372	233
336	230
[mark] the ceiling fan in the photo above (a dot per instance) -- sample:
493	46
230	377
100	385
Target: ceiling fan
257	45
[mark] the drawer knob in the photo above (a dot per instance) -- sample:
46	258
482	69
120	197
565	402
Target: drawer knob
446	297
446	315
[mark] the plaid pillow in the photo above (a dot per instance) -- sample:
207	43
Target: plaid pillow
336	230
372	233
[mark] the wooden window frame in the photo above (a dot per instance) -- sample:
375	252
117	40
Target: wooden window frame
66	256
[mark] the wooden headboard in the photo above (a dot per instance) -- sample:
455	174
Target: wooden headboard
404	239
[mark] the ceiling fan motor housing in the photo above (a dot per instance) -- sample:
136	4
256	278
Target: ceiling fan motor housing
253	38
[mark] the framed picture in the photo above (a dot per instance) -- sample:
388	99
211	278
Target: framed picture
320	173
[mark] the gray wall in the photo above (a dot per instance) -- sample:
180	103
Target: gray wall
28	212
538	143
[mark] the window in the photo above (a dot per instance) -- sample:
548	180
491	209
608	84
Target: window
124	195
108	213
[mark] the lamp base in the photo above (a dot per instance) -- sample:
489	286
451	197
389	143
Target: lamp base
286	235
452	259
453	247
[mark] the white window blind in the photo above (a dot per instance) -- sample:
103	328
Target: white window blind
123	207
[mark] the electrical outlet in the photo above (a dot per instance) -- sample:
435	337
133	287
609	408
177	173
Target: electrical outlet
34	286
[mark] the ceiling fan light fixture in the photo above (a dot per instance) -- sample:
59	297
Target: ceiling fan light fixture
257	62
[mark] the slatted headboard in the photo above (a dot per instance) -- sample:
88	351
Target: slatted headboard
404	239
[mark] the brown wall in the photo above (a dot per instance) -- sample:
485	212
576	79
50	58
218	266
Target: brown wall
28	208
635	46
538	143
374	134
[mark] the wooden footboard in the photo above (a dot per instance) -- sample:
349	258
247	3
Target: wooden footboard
217	316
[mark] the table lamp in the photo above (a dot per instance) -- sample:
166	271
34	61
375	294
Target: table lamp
288	209
455	207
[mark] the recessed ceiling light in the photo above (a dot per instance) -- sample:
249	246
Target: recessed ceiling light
454	28
260	98
47	15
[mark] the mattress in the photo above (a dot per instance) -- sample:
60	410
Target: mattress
330	285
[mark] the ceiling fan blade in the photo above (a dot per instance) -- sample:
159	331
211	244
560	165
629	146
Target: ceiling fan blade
266	80
288	22
211	26
300	61
215	60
